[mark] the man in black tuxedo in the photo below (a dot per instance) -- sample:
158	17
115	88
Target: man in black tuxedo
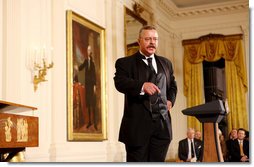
240	148
190	149
149	86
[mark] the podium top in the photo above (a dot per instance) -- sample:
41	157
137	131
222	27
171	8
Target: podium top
213	107
8	106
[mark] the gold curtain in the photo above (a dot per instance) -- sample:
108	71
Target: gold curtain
211	48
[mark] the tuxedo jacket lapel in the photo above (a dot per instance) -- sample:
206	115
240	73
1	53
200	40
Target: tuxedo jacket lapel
141	66
164	68
186	146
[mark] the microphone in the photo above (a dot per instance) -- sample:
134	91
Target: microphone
218	96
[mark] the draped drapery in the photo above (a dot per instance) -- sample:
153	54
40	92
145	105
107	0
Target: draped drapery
211	48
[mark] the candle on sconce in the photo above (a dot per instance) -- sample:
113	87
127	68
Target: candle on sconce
44	55
28	59
40	57
35	55
40	60
51	54
32	58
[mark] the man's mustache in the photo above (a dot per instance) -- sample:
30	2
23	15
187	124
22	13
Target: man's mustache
151	46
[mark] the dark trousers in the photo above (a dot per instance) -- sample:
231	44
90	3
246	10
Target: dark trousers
155	148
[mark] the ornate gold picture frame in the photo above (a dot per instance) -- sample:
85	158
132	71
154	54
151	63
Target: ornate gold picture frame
86	79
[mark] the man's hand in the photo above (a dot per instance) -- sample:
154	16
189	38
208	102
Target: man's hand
244	158
150	88
169	104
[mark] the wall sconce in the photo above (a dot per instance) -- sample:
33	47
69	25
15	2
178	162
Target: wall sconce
40	61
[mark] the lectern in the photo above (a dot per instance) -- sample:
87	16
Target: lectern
17	131
209	114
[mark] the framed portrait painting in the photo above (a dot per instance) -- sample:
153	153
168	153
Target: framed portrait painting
86	73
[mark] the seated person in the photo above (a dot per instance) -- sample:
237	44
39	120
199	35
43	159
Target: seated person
190	149
198	135
240	148
232	137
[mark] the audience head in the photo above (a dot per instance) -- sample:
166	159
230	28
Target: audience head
241	133
233	134
198	134
221	137
190	133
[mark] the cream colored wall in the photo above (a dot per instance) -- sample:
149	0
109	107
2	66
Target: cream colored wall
26	28
45	24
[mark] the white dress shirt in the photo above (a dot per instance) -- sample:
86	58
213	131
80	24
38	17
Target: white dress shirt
153	61
189	145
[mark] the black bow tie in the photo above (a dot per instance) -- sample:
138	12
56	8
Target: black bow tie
144	57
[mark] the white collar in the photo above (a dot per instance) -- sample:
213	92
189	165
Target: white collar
240	141
151	56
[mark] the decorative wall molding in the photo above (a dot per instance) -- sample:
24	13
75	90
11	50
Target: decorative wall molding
147	13
231	28
203	10
95	16
115	152
78	152
245	29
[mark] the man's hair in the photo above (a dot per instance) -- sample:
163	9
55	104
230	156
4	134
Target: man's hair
241	129
190	129
146	27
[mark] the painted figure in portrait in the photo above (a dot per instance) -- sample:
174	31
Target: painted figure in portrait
86	80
